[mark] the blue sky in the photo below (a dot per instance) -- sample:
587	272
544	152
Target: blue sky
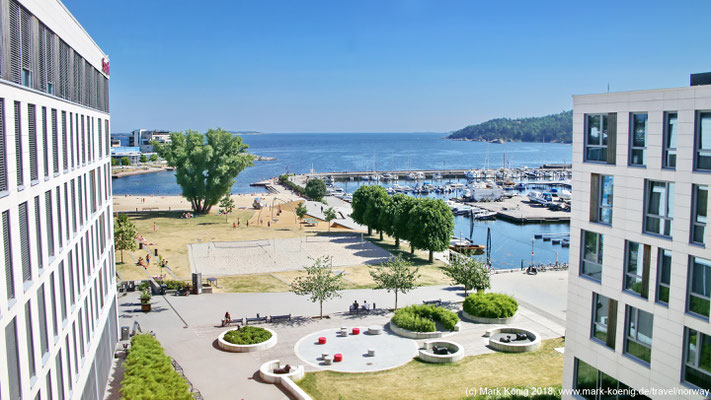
382	66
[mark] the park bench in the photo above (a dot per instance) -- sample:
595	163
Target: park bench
437	302
256	319
233	321
275	318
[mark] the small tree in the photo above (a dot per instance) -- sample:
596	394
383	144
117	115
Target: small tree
124	234
114	162
301	211
330	215
143	158
315	189
468	272
226	205
430	225
319	282
359	205
394	218
153	157
396	274
377	205
125	161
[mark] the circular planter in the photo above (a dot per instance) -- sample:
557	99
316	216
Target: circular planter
419	335
246	348
456	352
483	320
532	344
266	372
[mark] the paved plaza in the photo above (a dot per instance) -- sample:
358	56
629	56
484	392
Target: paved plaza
188	327
274	255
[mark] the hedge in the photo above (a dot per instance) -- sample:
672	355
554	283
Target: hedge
422	318
248	335
284	180
490	305
149	373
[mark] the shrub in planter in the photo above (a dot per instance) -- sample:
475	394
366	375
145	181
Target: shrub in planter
422	318
248	335
149	373
490	305
173	285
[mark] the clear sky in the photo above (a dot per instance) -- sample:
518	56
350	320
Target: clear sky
382	66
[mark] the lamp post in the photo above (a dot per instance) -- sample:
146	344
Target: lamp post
532	241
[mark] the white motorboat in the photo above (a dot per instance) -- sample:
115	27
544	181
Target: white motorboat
565	194
485	191
540	198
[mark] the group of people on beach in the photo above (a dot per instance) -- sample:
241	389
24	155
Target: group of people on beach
147	262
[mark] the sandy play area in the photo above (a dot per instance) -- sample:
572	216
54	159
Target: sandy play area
274	255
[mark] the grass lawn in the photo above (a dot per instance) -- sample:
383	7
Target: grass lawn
417	379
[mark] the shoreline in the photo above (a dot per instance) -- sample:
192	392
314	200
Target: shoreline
142	171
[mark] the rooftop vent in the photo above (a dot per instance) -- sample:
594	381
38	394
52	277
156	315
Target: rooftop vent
701	79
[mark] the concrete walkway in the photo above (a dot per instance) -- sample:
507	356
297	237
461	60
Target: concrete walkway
219	375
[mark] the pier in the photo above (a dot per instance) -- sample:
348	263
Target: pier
519	209
547	172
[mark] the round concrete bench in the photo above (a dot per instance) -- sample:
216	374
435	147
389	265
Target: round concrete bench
375	330
532	343
266	372
246	348
455	352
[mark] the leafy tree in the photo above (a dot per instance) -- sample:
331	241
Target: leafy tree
125	161
377	205
227	205
330	215
206	165
468	272
153	157
315	189
393	219
143	158
301	211
114	162
431	225
319	282
124	234
395	274
359	205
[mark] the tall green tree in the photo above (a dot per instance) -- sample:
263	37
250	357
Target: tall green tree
469	272
393	219
206	165
124	234
143	158
431	225
301	211
227	204
359	205
377	205
320	283
125	161
329	215
315	189
395	275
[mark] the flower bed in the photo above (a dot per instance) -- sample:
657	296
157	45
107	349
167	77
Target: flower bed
420	321
489	308
247	339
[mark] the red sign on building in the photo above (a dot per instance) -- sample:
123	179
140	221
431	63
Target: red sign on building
105	66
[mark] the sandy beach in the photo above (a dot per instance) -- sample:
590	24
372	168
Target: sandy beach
178	203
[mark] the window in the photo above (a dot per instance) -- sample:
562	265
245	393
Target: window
659	208
45	142
62	292
596	137
38	233
59	369
664	258
55	142
30	339
65	160
32	133
25	243
42	313
670	132
74	207
7	249
13	359
702	151
604	319
591	264
21	46
699	292
590	383
697	358
53	294
57	196
637	268
3	148
18	145
699	211
50	223
638	334
601	194
638	139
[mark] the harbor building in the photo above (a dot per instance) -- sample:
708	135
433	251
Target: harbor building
640	254
142	139
58	314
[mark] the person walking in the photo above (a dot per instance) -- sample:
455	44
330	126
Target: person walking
148	259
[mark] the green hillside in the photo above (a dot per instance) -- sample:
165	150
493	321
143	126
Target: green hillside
549	128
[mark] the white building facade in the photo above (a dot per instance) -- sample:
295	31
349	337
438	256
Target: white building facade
58	314
640	259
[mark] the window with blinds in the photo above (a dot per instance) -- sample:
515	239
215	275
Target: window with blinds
77	82
45	142
58	368
81	202
50	223
15	42
100	138
53	298
25	243
108	137
87	84
83	141
30	340
74	207
62	292
18	145
3	148
92	189
66	210
47	59
13	360
55	142
7	250
71	138
42	315
65	59
38	233
26	45
58	197
70	268
32	133
65	160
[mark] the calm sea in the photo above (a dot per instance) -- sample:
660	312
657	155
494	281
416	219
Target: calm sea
331	152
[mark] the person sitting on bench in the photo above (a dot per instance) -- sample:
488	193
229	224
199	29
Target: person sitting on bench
285	370
365	306
354	306
227	319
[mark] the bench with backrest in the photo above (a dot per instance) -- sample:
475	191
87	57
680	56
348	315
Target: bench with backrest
255	319
233	321
284	317
437	302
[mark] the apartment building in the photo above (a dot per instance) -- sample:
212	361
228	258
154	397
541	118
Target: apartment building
639	293
58	315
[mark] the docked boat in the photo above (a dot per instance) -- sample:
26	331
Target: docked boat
565	194
420	175
466	246
484	214
437	175
412	176
485	191
471	174
540	198
365	177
